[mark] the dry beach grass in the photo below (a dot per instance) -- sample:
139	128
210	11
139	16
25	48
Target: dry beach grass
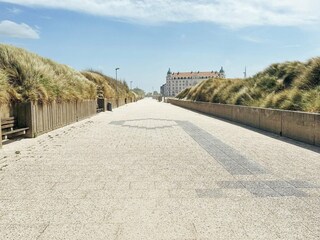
25	76
289	86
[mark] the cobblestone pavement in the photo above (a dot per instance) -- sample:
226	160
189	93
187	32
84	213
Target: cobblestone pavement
151	170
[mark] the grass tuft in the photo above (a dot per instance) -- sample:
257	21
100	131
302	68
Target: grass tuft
25	76
108	87
289	86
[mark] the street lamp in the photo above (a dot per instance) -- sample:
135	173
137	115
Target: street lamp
117	96
117	73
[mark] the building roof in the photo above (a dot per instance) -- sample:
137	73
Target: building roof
212	74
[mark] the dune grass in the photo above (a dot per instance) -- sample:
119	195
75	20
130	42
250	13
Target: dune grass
139	93
108	87
103	87
289	86
25	76
4	87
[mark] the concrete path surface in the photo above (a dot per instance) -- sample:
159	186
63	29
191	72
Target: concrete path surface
151	170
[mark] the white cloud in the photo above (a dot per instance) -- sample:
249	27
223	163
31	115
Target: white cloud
230	13
12	29
252	39
14	10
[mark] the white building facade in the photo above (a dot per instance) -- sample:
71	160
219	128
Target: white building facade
177	82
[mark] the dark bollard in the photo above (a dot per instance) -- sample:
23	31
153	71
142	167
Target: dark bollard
0	135
101	105
109	106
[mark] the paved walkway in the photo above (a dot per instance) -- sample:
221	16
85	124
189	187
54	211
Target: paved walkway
151	170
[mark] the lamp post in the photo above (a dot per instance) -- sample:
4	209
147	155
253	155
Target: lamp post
117	73
117	94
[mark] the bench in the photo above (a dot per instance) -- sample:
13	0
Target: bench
8	128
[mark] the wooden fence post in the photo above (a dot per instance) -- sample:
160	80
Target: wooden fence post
24	114
0	134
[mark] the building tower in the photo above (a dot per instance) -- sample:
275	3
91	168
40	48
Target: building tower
168	82
222	73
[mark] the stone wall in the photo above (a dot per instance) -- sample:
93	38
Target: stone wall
301	126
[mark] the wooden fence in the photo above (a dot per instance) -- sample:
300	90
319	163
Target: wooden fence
102	103
41	118
5	110
45	117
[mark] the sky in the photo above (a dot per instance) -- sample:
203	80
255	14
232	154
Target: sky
144	38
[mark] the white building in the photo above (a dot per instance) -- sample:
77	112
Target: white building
177	82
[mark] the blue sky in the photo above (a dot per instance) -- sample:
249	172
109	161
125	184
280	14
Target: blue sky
144	38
